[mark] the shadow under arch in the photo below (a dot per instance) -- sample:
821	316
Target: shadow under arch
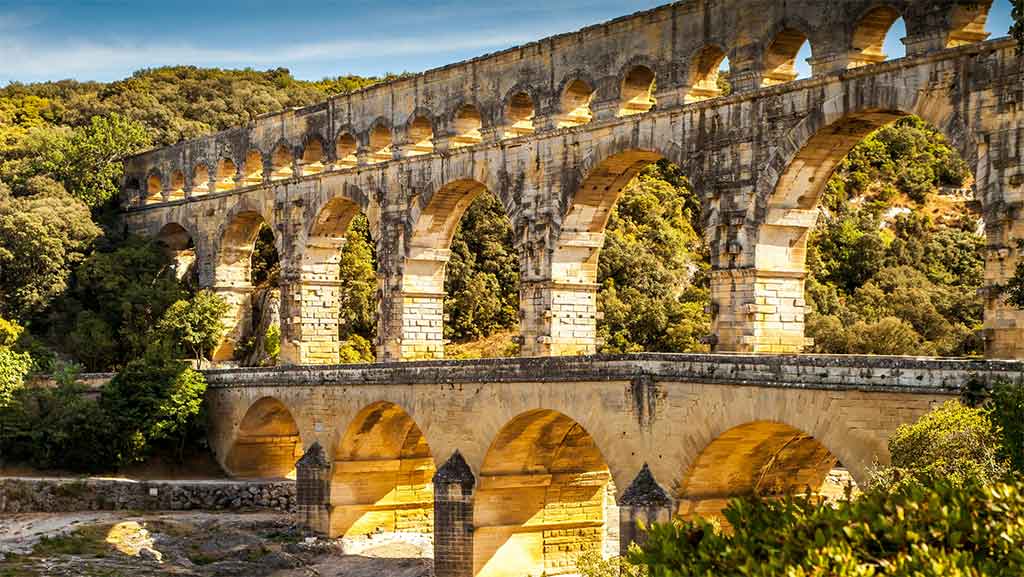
767	458
545	496
383	475
179	245
267	443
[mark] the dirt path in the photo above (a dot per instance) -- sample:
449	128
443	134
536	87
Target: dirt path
114	544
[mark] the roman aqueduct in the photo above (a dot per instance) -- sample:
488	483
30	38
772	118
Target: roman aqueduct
517	465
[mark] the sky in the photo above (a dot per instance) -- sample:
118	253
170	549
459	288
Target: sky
109	39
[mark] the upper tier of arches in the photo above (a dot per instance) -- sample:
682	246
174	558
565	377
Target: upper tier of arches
662	58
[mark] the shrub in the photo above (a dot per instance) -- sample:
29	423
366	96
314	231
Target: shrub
1006	407
196	325
936	529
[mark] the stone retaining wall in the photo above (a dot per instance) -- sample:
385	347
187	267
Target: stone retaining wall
67	495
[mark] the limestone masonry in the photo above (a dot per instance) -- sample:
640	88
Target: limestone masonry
517	466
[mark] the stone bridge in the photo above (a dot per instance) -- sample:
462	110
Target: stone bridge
518	465
555	129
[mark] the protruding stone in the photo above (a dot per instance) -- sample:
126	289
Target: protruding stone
643	503
644	491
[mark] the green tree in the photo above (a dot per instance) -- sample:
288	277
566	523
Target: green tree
1006	409
14	366
1017	29
195	325
357	322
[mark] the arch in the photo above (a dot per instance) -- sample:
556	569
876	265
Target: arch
703	73
575	103
314	155
765	458
967	21
252	169
867	44
420	135
346	147
281	162
154	188
780	57
267	442
179	245
544	496
383	475
379	141
226	173
520	111
637	91
466	125
200	179
177	190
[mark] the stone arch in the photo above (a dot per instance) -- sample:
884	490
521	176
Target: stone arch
519	109
544	496
346	148
154	187
419	133
266	444
383	475
252	168
702	75
379	141
575	96
768	458
966	22
200	179
636	91
868	36
226	173
314	156
466	125
281	161
177	188
779	56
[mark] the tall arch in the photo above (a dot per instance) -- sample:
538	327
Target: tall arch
383	471
267	443
545	496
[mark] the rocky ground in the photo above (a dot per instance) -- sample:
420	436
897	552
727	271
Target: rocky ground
116	544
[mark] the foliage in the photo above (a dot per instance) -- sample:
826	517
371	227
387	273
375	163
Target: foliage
14	367
1017	29
592	564
357	323
196	324
936	529
953	442
355	349
1006	409
265	263
42	235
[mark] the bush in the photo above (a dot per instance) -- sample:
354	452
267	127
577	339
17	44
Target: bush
196	325
1006	408
592	564
937	529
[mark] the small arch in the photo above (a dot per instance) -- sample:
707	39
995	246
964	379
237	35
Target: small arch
267	443
704	72
519	115
200	180
542	475
346	148
380	143
575	104
968	22
154	188
178	244
420	136
177	191
764	458
313	156
867	46
637	91
466	126
226	173
252	170
383	475
780	57
281	162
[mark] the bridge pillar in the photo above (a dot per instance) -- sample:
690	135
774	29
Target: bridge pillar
558	319
313	489
644	502
309	305
414	326
758	311
454	488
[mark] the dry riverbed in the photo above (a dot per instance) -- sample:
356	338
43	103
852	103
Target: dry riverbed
123	544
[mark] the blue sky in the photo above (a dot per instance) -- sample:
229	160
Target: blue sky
109	39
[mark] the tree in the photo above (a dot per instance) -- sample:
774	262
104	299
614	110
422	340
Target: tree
357	322
196	324
14	366
1017	30
1006	409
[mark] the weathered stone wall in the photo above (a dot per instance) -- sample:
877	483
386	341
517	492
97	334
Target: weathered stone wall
64	495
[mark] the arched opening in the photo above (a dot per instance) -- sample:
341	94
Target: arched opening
200	180
763	458
968	23
179	245
519	115
281	162
705	74
313	156
383	476
576	100
466	126
154	189
177	191
869	37
421	136
637	91
780	59
544	497
460	263
252	170
346	149
648	291
226	173
380	144
267	444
